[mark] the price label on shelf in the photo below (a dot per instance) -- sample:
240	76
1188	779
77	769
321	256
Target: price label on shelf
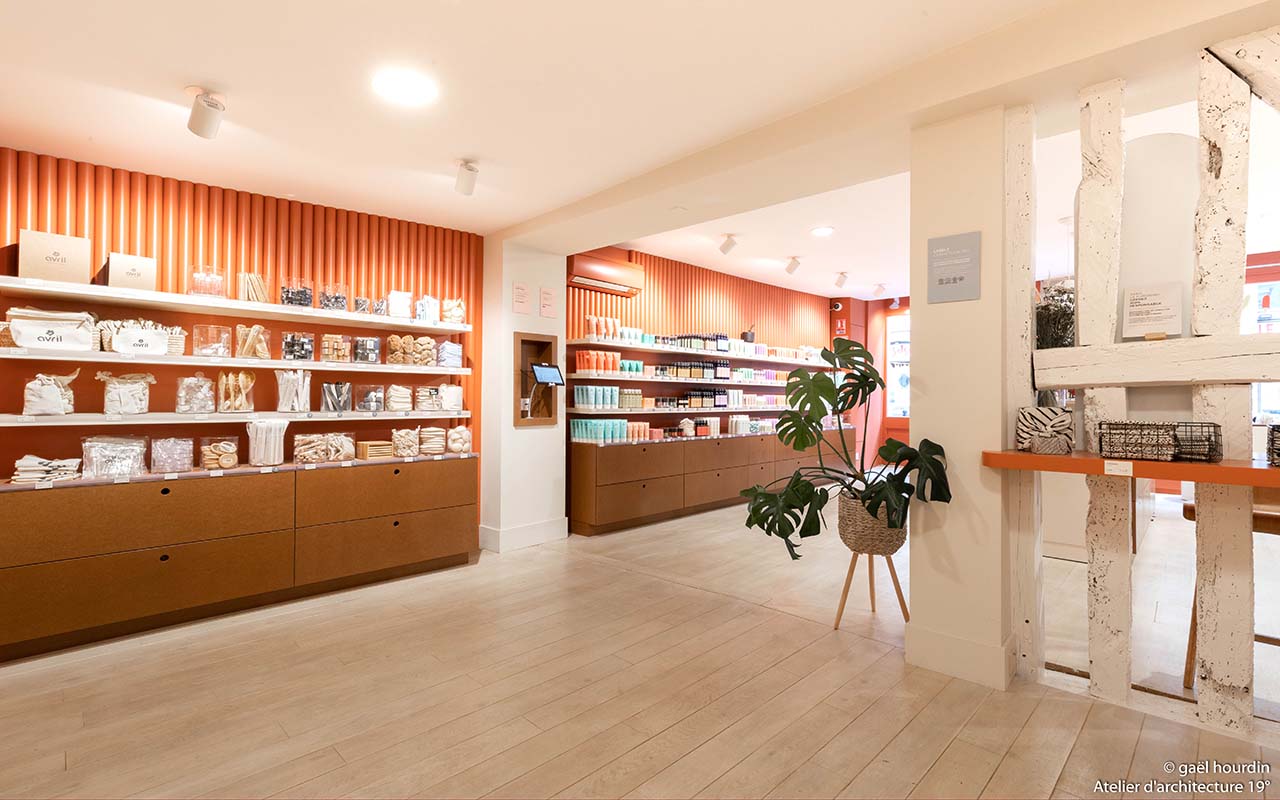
201	416
19	351
408	459
308	466
26	418
1123	469
437	458
266	470
215	473
44	485
120	480
345	464
171	476
114	417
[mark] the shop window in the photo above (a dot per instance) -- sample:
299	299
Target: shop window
1262	315
898	366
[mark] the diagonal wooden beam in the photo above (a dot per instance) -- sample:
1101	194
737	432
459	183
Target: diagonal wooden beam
1225	358
1256	59
1224	514
1097	292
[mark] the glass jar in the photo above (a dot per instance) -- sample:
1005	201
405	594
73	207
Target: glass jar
297	292
211	340
298	346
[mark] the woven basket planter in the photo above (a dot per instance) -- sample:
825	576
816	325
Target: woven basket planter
863	533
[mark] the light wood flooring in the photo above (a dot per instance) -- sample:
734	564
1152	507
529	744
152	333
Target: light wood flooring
689	658
1164	574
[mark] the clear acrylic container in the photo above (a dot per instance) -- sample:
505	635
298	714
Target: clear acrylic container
367	349
298	346
370	397
253	341
252	288
219	452
333	297
172	455
335	396
211	340
235	392
362	305
335	347
318	448
297	292
195	395
208	281
114	456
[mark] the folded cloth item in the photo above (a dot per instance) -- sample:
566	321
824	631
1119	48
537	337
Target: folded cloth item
49	394
34	469
431	441
449	354
399	398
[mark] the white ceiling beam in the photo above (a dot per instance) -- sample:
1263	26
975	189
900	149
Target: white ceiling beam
1256	59
1224	358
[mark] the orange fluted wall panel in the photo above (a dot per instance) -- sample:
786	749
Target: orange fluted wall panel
683	298
182	224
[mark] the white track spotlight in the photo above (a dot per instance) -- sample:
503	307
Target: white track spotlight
728	244
896	304
840	279
206	114
465	183
880	287
793	265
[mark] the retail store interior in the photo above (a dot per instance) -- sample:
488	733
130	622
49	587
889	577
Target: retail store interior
852	400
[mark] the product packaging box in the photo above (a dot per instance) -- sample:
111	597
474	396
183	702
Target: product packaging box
123	271
53	257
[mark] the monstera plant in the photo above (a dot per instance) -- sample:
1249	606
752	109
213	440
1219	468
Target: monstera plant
874	495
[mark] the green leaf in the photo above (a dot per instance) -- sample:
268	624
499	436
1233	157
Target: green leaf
797	509
860	379
928	464
892	493
798	431
811	393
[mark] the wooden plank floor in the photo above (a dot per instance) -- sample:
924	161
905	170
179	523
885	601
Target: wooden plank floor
686	659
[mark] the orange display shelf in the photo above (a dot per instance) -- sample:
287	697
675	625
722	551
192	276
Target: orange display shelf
1229	473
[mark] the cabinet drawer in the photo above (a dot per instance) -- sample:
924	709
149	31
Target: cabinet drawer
715	454
716	485
341	495
622	501
368	545
75	522
46	599
760	449
759	474
637	462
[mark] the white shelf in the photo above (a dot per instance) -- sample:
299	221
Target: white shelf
617	376
171	418
688	412
619	344
100	357
217	306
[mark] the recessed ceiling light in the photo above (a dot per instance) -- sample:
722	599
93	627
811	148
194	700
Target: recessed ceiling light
793	265
405	87
823	231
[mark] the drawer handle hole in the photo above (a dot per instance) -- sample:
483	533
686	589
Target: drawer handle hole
396	471
164	557
396	524
165	490
644	486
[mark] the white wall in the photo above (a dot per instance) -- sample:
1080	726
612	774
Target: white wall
523	469
959	554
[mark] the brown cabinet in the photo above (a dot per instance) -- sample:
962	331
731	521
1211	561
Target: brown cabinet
760	449
73	522
622	501
338	495
701	488
637	462
340	549
47	599
700	456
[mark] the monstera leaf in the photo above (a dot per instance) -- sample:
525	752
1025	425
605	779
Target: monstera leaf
797	431
796	510
813	394
929	465
860	378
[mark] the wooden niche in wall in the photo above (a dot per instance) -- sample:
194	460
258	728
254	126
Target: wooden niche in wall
530	349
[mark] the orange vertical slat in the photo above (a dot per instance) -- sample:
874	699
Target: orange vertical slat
169	264
155	227
137	214
8	196
84	202
251	233
28	194
270	269
64	200
186	233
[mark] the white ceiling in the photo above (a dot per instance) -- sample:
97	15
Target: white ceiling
556	99
871	241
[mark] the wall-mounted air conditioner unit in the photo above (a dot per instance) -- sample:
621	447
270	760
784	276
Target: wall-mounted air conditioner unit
602	275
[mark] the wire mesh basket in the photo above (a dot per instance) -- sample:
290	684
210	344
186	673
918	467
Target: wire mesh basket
1198	441
1144	441
1273	445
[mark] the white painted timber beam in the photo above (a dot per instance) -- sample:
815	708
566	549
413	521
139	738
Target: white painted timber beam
1224	514
1022	489
1108	522
1225	358
1256	59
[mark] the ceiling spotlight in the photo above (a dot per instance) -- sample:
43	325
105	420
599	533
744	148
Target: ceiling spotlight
880	287
823	231
206	113
793	265
896	304
728	244
405	87
840	279
465	183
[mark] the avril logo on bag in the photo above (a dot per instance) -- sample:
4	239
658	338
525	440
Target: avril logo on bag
50	336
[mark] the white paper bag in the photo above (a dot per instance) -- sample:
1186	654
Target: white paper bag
140	341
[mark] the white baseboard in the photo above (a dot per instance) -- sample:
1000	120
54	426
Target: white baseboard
989	665
502	540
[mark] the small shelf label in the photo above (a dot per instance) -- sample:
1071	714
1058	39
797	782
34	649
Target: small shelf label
344	464
308	466
44	485
266	470
120	480
408	459
215	473
171	476
1123	469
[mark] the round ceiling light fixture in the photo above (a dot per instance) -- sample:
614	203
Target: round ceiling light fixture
405	87
822	231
